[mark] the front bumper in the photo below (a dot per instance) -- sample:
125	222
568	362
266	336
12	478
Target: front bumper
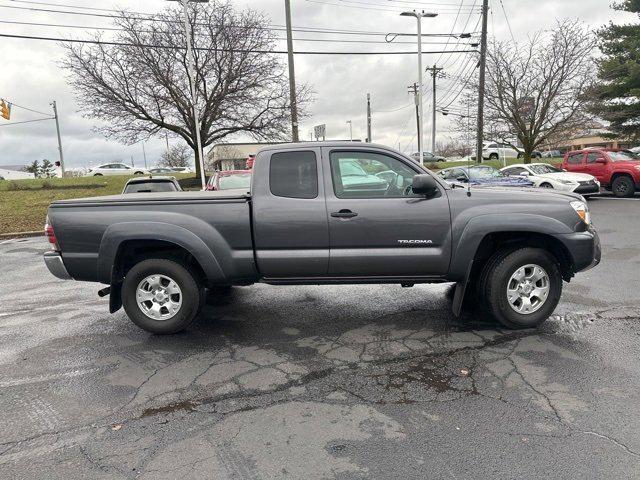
588	188
584	248
53	261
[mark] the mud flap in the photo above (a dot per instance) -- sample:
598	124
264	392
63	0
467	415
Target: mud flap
461	288
115	298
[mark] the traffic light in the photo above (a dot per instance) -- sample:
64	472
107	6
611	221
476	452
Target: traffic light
5	109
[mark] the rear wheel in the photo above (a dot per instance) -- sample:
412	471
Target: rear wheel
623	186
493	156
161	296
520	288
546	185
97	175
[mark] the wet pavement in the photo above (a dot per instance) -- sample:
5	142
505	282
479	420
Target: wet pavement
323	382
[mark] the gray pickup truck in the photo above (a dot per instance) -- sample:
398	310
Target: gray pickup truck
325	213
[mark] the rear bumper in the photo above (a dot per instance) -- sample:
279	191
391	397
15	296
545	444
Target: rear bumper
584	248
53	261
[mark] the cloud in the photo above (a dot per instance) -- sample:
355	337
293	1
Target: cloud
32	77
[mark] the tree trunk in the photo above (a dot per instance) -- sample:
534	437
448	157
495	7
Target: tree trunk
527	157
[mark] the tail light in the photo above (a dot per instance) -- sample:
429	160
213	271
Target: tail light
50	234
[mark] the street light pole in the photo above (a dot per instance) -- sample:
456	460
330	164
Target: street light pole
350	130
191	74
418	16
292	74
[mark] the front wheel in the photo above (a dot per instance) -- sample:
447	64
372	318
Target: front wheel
623	187
161	296
520	288
546	185
493	156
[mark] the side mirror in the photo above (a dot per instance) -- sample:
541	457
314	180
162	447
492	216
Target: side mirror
601	160
424	184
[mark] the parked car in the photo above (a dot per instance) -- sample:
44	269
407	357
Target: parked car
249	162
544	175
304	222
482	175
181	169
229	179
616	170
428	157
116	169
552	154
152	184
635	150
159	170
496	151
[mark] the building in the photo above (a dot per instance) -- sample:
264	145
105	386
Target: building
591	138
233	156
14	172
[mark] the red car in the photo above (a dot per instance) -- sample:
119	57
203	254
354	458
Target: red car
250	161
616	170
230	179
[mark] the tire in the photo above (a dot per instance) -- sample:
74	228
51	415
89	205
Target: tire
497	277
493	156
97	175
520	155
546	185
138	173
191	295
623	187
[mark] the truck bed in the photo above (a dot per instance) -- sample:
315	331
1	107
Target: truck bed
90	231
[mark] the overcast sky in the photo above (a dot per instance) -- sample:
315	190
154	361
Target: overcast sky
30	75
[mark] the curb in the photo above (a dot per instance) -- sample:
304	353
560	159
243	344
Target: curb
8	236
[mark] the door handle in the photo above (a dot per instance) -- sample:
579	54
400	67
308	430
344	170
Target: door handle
344	213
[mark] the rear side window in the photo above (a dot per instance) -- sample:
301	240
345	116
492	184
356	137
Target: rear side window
575	159
294	175
150	187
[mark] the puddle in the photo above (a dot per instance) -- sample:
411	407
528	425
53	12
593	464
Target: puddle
186	406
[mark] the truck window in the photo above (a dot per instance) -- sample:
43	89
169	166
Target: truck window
294	175
575	159
369	175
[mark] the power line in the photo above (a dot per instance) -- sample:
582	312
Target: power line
323	40
27	121
506	17
378	9
141	45
29	109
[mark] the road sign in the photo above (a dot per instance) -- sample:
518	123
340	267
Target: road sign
320	131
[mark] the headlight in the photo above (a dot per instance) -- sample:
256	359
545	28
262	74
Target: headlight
566	182
582	210
637	167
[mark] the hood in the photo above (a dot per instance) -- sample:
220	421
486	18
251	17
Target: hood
504	193
503	181
577	177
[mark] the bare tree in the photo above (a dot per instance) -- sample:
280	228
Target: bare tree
536	91
139	86
176	156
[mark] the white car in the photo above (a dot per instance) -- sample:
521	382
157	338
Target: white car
498	151
181	169
544	175
116	169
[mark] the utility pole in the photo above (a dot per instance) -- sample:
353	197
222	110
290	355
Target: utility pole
368	117
292	74
414	89
434	73
483	67
55	114
350	123
144	155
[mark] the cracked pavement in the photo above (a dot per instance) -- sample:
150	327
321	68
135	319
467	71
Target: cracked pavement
322	382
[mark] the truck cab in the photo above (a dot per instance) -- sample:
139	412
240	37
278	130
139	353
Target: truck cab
617	170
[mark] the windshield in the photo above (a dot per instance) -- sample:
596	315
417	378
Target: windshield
543	168
623	156
484	172
240	180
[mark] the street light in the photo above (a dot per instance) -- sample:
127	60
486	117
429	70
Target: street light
350	130
418	16
191	74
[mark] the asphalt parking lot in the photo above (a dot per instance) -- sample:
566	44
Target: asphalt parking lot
323	382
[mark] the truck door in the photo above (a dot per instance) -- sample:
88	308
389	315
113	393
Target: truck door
598	170
377	225
291	234
575	163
